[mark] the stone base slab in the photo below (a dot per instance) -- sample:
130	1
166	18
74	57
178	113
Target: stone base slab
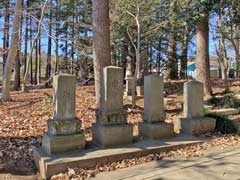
111	135
156	130
63	127
58	144
49	165
198	125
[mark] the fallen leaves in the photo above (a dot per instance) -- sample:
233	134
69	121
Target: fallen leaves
187	152
24	120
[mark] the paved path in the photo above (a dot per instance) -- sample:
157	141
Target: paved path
216	165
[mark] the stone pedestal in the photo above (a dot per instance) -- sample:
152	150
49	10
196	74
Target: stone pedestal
110	135
156	130
64	132
193	121
153	125
140	90
58	144
197	125
111	127
129	84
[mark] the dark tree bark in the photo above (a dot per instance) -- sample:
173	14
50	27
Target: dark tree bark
101	43
6	31
184	55
49	50
172	64
202	56
25	44
31	60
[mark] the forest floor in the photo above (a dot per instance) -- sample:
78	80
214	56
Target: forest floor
24	120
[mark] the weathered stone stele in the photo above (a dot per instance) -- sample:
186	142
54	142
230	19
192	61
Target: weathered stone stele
111	106
64	97
64	129
193	121
129	84
153	125
193	99
153	99
111	127
112	89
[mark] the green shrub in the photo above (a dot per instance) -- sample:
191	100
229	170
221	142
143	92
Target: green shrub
223	124
231	102
214	101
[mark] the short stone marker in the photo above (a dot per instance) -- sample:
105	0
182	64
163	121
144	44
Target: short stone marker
129	80
64	129
153	125
193	121
111	127
140	90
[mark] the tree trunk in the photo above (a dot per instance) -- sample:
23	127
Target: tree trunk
39	60
184	55
236	46
101	43
13	52
224	72
57	41
17	70
202	56
31	46
49	50
172	64
6	32
25	45
36	62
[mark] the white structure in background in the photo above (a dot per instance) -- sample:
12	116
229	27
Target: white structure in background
214	67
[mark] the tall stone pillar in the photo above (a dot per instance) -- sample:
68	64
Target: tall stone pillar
111	127
129	79
64	129
153	125
193	120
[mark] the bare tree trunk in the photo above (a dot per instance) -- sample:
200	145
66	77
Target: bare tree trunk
183	71
36	62
49	50
13	51
172	64
236	46
39	60
30	56
57	41
6	31
25	44
171	71
17	68
101	43
32	46
17	71
202	56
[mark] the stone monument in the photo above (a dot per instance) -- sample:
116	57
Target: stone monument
111	127
193	120
129	79
153	125
64	129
